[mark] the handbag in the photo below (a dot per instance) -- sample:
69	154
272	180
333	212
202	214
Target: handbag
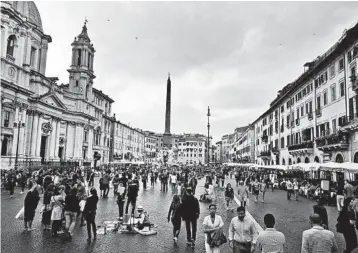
217	239
20	214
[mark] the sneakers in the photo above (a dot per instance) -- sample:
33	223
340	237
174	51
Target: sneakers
192	243
175	240
21	192
189	242
262	201
30	229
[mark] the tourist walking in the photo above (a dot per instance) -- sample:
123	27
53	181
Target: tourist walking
30	204
174	215
229	197
105	184
263	187
346	227
57	205
243	193
173	182
348	193
242	232
71	208
289	188
46	210
296	188
212	224
270	240
89	213
190	214
256	189
317	239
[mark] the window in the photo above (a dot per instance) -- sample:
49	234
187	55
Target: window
325	98
353	70
79	55
302	111
310	106
332	72
298	112
76	83
86	136
341	89
10	45
32	57
282	142
341	65
307	108
318	102
6	119
334	125
5	145
333	93
282	108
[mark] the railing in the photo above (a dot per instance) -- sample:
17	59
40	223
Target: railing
265	153
331	139
305	145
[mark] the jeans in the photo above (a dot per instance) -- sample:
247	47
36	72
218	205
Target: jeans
70	220
340	200
56	224
144	184
176	226
174	187
91	223
106	190
11	188
191	226
132	202
296	194
289	192
120	208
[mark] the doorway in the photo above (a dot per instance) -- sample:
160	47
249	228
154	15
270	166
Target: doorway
60	153
43	148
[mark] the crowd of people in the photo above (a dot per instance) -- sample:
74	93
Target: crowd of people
70	195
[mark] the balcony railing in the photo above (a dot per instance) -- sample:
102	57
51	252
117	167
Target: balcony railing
318	112
334	141
266	153
310	116
349	123
305	145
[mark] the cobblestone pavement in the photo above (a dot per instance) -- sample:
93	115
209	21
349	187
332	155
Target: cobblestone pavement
157	203
291	219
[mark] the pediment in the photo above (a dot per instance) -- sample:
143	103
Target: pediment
52	99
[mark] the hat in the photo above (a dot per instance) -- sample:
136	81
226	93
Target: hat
140	208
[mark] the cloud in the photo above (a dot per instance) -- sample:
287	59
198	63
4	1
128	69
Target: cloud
232	56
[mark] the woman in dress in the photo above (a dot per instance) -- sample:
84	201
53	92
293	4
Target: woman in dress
229	196
57	204
211	224
174	216
89	213
30	204
46	213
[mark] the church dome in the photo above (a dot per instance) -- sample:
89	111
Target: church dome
28	10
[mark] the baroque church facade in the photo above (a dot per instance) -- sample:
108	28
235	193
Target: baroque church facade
43	122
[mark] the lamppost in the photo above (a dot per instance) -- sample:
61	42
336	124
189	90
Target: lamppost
19	124
208	134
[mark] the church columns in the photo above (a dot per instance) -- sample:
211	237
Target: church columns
52	139
23	132
43	58
57	139
34	134
16	132
39	135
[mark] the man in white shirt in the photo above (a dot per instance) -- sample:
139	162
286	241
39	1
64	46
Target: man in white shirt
173	181
242	233
270	240
317	239
289	188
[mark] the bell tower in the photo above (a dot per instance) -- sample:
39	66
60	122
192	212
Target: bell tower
81	69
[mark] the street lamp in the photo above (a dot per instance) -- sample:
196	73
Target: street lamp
19	124
208	134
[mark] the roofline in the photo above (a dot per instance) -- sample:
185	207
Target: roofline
103	95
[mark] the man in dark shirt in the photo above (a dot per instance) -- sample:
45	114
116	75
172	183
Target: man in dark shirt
190	214
322	212
132	195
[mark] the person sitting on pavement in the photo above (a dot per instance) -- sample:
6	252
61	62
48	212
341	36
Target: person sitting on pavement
143	217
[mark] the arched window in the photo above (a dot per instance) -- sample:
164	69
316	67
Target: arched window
316	159
11	45
339	158
289	161
355	160
307	160
283	161
298	160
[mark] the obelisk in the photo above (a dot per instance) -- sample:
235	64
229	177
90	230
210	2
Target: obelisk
167	138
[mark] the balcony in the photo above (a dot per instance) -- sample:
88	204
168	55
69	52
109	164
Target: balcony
265	154
274	151
318	112
301	149
349	124
310	116
335	141
297	122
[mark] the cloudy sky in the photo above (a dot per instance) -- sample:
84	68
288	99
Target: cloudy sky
231	56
